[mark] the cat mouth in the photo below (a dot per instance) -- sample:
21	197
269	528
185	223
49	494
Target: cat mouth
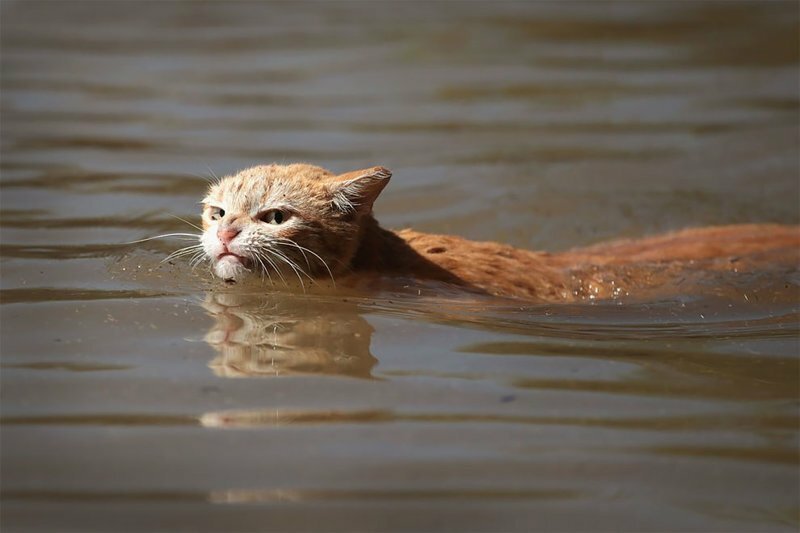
243	260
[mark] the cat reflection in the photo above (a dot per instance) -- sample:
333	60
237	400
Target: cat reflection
280	335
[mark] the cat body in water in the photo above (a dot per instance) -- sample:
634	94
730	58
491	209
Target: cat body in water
304	222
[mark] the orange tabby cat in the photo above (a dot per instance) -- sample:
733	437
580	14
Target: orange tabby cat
303	221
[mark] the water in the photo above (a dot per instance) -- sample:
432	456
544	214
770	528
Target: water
143	396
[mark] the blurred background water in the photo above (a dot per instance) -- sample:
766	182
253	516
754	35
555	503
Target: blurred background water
142	396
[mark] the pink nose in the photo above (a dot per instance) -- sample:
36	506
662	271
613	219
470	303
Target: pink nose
226	235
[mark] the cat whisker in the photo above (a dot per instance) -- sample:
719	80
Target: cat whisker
290	241
294	264
195	226
274	267
264	270
286	260
213	174
207	179
197	258
184	251
261	270
176	256
303	249
321	260
166	235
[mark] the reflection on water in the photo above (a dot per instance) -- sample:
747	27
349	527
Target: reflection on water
277	335
265	496
543	125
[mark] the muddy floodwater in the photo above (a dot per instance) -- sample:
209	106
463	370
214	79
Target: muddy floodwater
140	395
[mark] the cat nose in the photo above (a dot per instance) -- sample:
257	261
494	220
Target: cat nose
227	234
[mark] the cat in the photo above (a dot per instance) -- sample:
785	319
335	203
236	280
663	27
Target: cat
304	222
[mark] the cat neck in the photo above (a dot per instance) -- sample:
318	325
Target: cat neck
380	249
384	251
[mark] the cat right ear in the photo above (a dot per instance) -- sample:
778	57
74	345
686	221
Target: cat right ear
355	192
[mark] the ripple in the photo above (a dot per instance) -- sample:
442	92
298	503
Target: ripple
99	419
279	417
66	365
251	496
75	179
64	251
34	295
574	92
758	454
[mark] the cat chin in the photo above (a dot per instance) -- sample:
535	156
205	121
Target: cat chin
230	268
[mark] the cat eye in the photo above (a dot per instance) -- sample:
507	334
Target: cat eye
217	213
274	216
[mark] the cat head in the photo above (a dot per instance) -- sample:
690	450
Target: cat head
278	220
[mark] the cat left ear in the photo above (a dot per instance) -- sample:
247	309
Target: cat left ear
356	191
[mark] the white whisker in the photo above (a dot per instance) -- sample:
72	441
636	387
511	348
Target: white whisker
184	251
177	255
294	266
315	254
215	176
195	226
274	267
264	270
191	248
164	236
197	258
290	241
288	262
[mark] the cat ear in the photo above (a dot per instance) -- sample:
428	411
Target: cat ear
356	191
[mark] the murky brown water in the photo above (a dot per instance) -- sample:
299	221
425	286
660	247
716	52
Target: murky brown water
143	396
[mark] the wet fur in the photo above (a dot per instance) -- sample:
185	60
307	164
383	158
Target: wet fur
332	217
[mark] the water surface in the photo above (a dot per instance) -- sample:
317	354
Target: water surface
140	395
